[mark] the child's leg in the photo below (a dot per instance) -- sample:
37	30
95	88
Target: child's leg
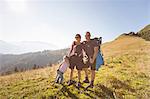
57	78
62	78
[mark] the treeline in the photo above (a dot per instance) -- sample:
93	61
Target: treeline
17	63
144	33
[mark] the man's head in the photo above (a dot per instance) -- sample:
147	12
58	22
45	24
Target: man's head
88	36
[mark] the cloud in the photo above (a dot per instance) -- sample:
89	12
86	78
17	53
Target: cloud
17	6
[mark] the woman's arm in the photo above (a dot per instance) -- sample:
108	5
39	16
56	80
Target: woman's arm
70	51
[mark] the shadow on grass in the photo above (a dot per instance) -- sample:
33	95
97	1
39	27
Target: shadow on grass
64	89
117	84
100	91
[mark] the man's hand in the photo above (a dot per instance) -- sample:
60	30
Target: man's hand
91	60
95	55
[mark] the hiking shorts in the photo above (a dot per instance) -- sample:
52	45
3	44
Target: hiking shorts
77	62
92	66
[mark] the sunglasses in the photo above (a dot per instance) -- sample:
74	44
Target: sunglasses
77	37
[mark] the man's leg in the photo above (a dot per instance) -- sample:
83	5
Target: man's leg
86	72
93	67
92	77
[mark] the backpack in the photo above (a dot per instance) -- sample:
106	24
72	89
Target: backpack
99	58
98	40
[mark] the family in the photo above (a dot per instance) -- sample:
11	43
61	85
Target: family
74	59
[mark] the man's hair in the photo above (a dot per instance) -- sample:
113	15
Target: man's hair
88	33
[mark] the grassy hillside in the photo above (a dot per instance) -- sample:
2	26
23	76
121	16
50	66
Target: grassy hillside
145	32
125	75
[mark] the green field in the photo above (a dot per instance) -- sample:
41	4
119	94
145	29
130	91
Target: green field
125	75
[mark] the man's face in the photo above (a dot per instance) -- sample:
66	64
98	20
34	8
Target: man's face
88	36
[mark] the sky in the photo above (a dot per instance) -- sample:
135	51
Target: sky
57	21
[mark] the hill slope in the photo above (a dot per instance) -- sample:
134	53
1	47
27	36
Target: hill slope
9	62
145	32
125	75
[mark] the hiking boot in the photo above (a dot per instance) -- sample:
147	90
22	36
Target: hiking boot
78	84
91	85
86	80
70	82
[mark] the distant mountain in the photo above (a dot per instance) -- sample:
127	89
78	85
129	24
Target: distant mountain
145	33
24	47
9	62
8	47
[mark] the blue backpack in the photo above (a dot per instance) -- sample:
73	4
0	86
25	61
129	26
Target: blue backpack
99	60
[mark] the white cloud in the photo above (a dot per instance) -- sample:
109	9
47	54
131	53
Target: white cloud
17	6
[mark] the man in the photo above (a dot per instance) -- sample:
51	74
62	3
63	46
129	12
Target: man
91	48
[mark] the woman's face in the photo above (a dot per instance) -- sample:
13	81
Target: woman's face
78	39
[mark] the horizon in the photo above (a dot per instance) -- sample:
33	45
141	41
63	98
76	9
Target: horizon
57	22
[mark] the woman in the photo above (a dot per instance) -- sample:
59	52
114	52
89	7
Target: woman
75	55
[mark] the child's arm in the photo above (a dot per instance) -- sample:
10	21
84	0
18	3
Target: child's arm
60	64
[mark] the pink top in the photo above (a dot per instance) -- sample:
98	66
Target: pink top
63	67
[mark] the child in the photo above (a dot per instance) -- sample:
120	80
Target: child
61	70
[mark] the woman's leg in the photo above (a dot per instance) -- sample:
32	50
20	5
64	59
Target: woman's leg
79	77
71	74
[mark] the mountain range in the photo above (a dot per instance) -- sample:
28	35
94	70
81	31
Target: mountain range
24	47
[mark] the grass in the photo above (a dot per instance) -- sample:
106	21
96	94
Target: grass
125	75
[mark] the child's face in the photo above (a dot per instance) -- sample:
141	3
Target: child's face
66	59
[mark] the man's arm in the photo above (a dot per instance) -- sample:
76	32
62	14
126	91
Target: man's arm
95	54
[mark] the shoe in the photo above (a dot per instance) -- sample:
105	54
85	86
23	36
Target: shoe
86	80
90	86
70	82
78	84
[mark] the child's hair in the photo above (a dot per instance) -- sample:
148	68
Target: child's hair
65	57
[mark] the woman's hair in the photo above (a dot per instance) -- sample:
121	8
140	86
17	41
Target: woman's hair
78	35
